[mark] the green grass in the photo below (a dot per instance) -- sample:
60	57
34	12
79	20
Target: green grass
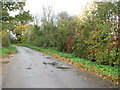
105	71
5	51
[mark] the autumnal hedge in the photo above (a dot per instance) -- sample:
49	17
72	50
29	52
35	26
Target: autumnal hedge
92	35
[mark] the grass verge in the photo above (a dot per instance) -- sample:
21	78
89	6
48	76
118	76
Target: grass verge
6	51
105	71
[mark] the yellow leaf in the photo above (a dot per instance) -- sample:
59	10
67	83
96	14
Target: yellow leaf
114	42
76	29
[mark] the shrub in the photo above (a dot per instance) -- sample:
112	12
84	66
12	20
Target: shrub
5	39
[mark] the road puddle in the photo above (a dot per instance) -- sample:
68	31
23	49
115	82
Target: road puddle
53	63
57	65
63	67
48	58
44	63
28	68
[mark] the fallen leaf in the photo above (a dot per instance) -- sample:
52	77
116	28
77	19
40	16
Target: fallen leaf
102	69
117	83
104	78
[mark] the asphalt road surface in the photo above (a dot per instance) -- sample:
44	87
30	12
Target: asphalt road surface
32	69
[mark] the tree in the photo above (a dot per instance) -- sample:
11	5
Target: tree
62	16
36	20
24	17
7	20
9	6
65	27
11	23
102	41
48	27
96	34
21	32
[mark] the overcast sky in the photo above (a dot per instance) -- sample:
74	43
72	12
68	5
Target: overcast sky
73	7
